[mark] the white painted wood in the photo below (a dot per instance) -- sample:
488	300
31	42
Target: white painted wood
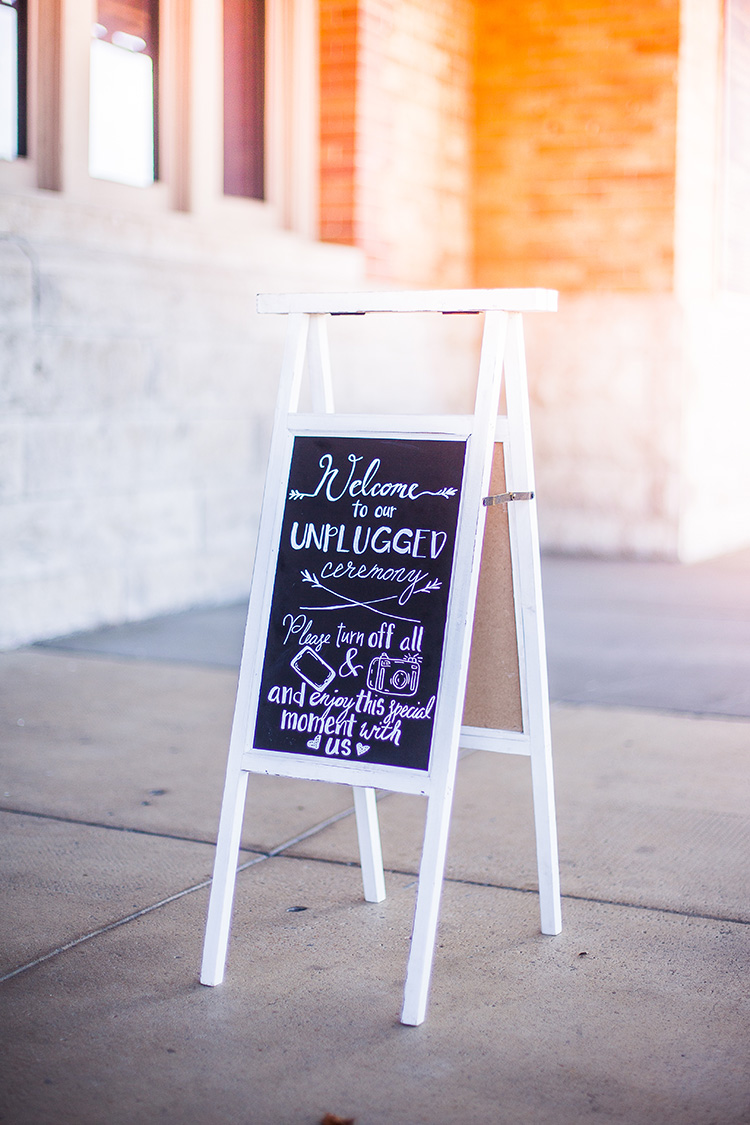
370	853
428	300
384	425
225	872
235	786
455	668
498	742
365	807
429	889
283	764
319	367
526	565
502	337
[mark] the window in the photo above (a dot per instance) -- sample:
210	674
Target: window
244	101
12	79
122	123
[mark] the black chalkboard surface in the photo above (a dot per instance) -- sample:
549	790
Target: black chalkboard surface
358	613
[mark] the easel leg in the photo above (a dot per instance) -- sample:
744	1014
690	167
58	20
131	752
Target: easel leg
519	470
427	909
370	854
546	842
222	887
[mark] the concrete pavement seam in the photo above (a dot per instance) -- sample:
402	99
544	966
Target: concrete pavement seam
259	858
104	929
460	881
280	849
59	819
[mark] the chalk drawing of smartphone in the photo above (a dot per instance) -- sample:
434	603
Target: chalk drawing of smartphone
313	668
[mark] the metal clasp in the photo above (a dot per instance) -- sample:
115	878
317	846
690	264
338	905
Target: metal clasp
506	498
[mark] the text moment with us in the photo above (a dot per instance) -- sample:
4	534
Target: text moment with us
358	614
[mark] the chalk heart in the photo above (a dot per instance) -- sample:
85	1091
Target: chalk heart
313	743
362	748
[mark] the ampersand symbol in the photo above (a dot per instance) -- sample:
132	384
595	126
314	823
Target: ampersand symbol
348	668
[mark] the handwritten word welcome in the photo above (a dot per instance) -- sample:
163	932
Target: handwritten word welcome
365	486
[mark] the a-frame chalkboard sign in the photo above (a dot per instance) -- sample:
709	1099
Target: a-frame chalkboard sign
361	617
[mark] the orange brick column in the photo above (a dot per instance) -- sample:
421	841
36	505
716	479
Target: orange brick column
339	39
396	135
576	118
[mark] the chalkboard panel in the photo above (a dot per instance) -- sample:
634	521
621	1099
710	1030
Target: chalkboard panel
358	612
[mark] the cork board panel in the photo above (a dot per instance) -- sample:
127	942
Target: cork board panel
493	693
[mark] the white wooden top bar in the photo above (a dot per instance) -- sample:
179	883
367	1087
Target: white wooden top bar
427	300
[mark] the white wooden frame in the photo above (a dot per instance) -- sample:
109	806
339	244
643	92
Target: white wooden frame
502	346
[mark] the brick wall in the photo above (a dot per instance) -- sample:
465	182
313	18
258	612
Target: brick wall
575	143
396	112
339	40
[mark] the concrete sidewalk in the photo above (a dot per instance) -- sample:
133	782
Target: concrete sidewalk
112	769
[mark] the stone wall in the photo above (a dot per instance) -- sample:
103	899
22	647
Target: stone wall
606	381
137	387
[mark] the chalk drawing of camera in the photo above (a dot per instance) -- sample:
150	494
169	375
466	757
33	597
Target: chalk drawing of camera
391	675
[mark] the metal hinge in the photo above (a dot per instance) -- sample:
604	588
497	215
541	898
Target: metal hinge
506	497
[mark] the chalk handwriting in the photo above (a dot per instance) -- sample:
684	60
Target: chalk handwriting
353	651
366	486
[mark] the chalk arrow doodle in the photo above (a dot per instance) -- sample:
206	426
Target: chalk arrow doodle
444	492
344	602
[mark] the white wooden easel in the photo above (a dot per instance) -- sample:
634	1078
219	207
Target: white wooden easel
502	348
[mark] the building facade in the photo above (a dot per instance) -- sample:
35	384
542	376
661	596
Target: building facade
162	161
